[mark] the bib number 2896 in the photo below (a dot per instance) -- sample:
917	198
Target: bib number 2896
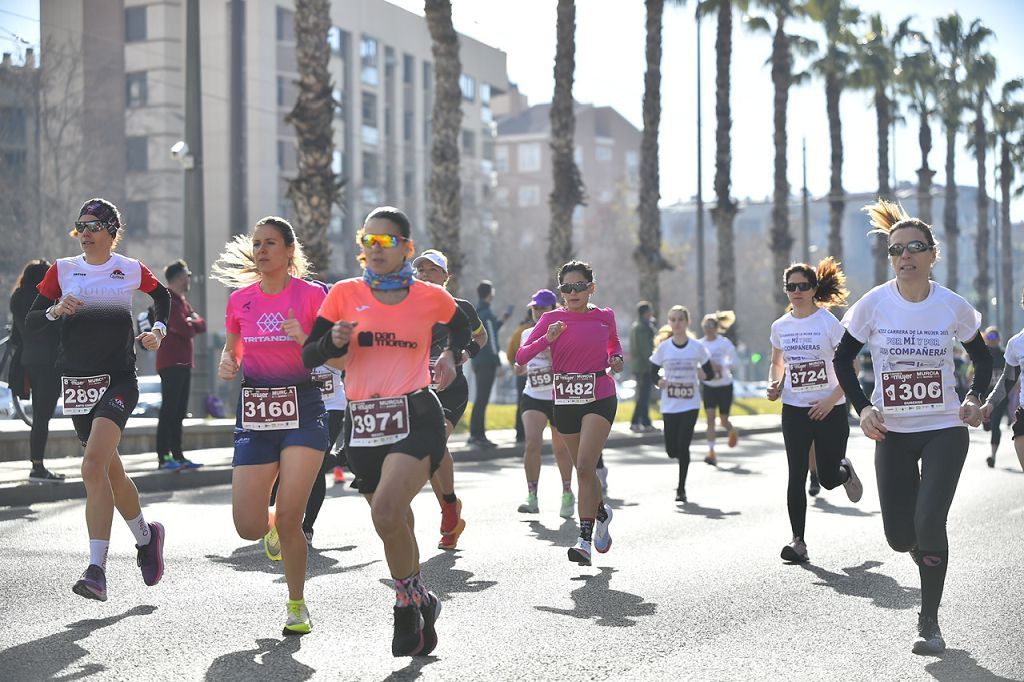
82	393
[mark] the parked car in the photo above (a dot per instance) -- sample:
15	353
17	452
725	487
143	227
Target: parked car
6	403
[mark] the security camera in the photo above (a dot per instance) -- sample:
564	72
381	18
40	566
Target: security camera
179	152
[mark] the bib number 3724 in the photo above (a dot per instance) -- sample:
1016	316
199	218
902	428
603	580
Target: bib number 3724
379	421
808	376
575	389
915	390
82	393
270	409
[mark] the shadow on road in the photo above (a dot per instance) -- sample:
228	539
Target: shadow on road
18	514
738	469
413	670
48	657
957	664
861	581
694	509
272	658
827	507
596	600
563	536
319	564
444	579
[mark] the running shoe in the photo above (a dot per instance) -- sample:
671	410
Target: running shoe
815	486
169	464
711	458
298	621
189	464
602	538
339	475
44	475
272	544
636	428
408	637
854	488
580	552
602	475
990	461
795	552
151	556
568	508
530	506
92	584
430	609
734	437
929	640
450	538
680	495
309	537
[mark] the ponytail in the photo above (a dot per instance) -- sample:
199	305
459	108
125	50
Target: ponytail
888	216
724	319
832	289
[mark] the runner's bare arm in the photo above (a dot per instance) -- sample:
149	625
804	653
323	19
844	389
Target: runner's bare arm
776	374
230	357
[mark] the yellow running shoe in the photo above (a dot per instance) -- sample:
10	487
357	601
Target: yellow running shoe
298	622
272	544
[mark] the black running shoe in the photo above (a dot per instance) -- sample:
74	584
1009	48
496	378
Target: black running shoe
44	475
680	495
430	610
929	640
408	637
815	486
991	461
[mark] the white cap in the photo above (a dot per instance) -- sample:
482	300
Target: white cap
435	257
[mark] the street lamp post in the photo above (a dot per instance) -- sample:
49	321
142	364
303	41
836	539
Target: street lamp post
701	295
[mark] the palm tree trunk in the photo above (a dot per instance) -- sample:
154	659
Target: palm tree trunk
647	255
949	214
924	173
316	187
883	118
836	201
567	190
1006	296
445	212
724	211
982	281
782	77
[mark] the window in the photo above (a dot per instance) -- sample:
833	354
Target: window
136	90
334	40
407	126
408	68
469	143
136	216
337	224
428	75
501	197
409	183
280	155
389	66
134	24
339	103
368	60
485	94
137	158
369	169
632	165
603	153
529	157
501	158
280	91
285	24
371	135
13	128
468	86
529	195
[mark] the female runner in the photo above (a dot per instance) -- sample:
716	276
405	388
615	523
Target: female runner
718	389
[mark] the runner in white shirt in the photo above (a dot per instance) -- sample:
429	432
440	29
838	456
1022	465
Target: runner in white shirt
684	361
538	406
813	406
718	388
912	326
1014	356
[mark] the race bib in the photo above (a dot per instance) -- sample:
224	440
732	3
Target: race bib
808	376
540	378
379	421
324	380
82	393
270	409
575	389
681	391
915	390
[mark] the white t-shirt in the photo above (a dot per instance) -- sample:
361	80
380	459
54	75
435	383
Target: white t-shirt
332	388
681	392
912	347
539	375
1015	356
808	345
723	354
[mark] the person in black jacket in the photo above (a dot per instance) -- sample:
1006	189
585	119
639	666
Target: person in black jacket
38	358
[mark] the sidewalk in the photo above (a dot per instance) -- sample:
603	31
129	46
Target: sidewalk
16	490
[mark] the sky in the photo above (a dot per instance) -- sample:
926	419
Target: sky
610	66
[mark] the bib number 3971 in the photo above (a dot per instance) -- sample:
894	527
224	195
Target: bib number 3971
379	421
915	390
82	393
808	376
575	389
270	409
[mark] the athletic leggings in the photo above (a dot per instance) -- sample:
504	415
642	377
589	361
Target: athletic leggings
829	437
995	423
678	434
335	421
45	394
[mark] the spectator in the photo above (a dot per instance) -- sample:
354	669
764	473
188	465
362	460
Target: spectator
37	354
174	361
485	365
510	352
641	346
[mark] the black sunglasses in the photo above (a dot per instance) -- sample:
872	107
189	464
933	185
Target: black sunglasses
93	226
798	286
578	287
916	246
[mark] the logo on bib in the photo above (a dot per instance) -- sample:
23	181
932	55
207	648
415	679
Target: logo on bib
270	322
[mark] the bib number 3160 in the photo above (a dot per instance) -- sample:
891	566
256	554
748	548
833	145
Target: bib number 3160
270	409
379	421
575	389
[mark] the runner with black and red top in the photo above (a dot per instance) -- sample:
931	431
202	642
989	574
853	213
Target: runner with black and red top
93	294
912	326
380	325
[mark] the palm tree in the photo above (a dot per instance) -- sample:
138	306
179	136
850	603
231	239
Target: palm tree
445	212
916	78
876	66
647	255
839	21
981	74
783	46
953	45
567	190
316	188
1008	120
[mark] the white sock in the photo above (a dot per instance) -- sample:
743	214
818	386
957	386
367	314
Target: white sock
98	552
711	443
140	529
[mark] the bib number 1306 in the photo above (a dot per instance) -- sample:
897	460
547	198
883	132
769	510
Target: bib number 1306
575	389
916	390
270	409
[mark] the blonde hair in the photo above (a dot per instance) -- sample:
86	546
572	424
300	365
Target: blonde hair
236	265
888	216
724	319
666	331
